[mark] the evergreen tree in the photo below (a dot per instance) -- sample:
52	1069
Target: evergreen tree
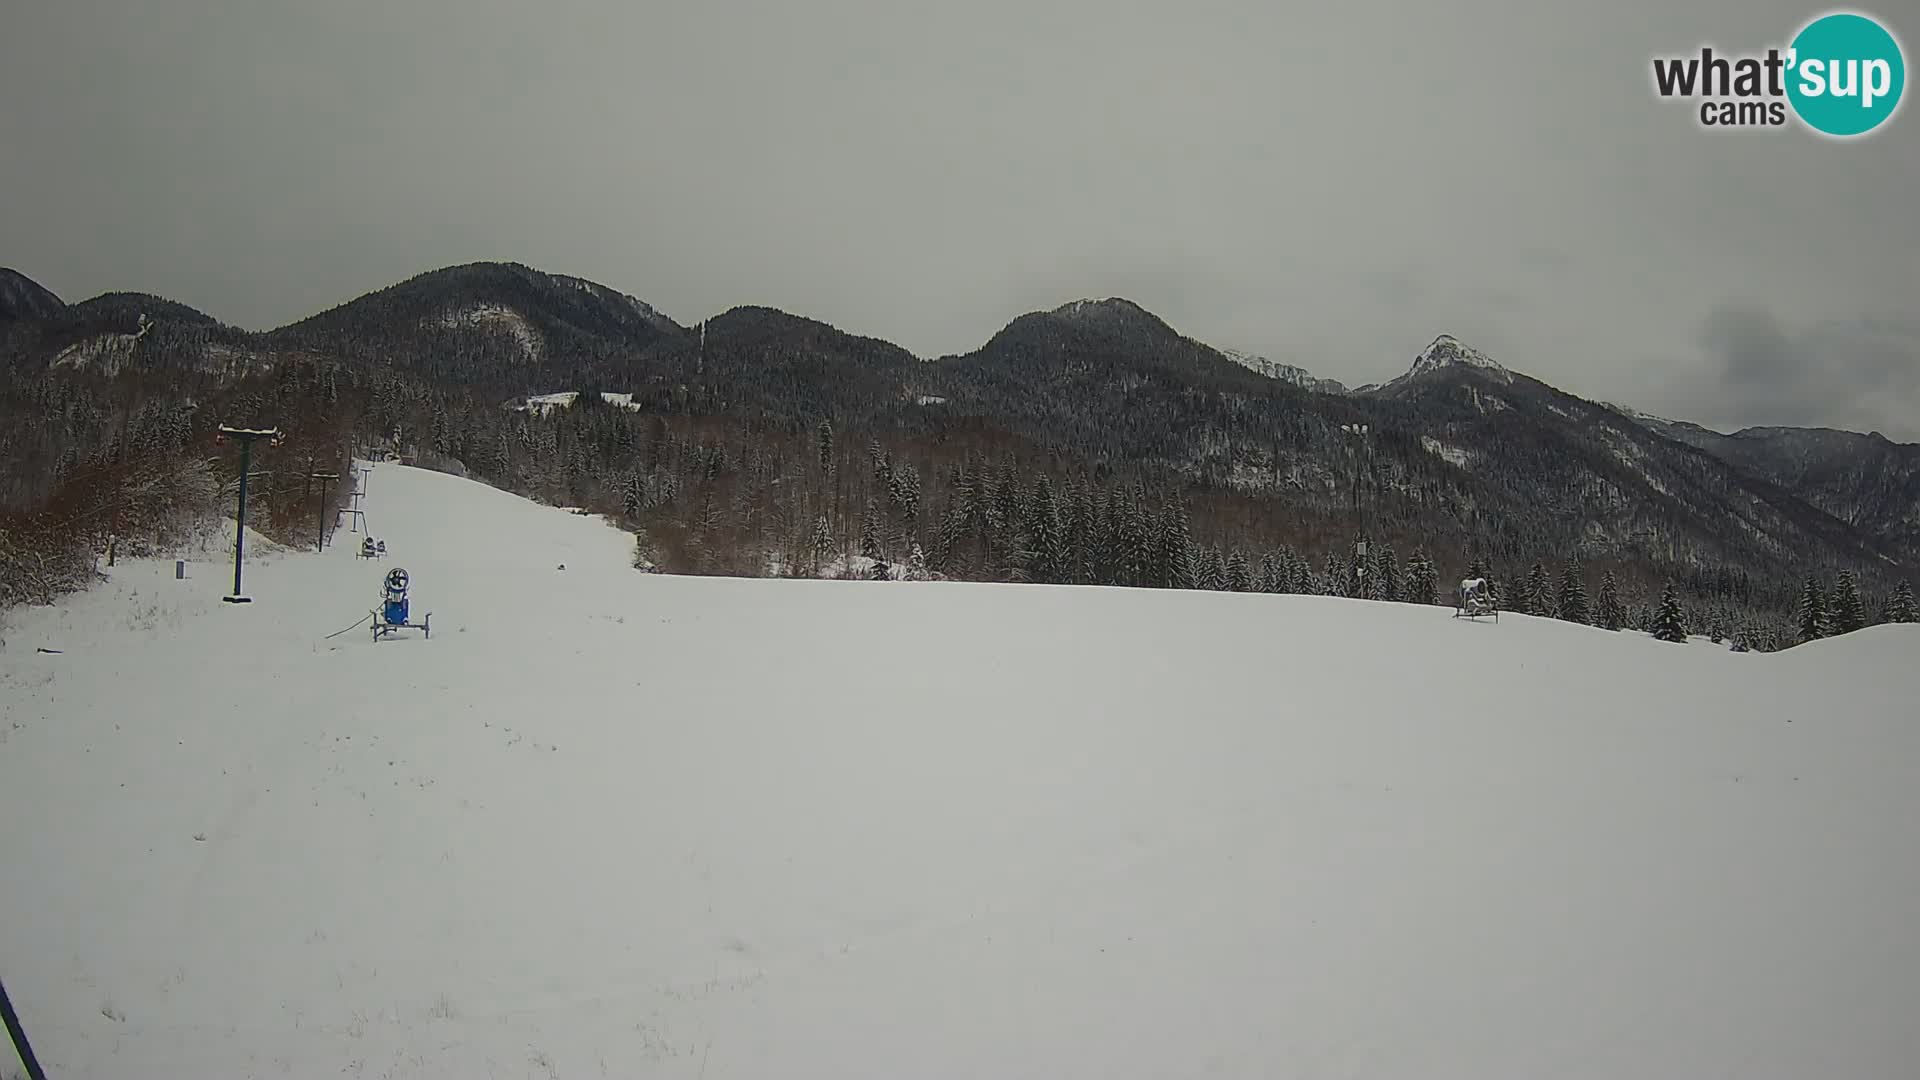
1610	615
1384	581
1848	613
1572	604
1045	535
631	500
916	563
903	492
1900	606
1135	545
1533	599
1079	543
880	571
1668	623
870	534
1239	575
1336	575
1813	611
1213	571
882	466
1422	579
1272	574
1173	560
1301	573
1004	521
1103	541
823	441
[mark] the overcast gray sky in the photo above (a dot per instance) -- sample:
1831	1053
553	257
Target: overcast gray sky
1330	185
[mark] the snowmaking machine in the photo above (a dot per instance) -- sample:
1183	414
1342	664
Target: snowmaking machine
391	615
1475	600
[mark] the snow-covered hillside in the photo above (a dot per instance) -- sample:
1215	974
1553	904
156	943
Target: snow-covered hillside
614	824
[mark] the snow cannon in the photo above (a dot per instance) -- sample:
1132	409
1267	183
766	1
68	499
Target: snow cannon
1474	601
395	598
392	614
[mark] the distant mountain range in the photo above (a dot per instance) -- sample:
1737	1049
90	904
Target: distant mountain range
1459	444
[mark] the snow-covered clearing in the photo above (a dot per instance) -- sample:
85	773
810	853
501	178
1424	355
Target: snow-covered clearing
607	823
542	404
1453	455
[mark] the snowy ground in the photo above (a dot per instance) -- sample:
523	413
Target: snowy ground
614	824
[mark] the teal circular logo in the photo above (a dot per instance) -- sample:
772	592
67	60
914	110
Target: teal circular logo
1846	74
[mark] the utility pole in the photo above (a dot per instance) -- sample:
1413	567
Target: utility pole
246	437
1359	432
320	512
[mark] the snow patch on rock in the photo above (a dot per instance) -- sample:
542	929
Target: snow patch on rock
1453	455
1447	352
497	317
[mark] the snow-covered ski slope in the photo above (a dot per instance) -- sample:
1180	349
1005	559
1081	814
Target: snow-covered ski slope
614	824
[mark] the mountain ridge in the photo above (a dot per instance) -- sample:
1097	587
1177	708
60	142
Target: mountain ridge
1464	448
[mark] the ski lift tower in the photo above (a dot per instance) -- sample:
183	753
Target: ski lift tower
246	437
327	481
355	516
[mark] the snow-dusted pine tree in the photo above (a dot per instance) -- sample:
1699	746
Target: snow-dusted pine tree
1080	524
822	545
1173	559
1271	576
1533	596
823	444
1239	574
1213	571
1668	622
1045	535
1300	574
1572	602
1813	611
1383	581
1422	578
1848	613
1610	614
631	499
870	533
1900	607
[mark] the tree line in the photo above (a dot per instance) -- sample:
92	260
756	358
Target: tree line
761	495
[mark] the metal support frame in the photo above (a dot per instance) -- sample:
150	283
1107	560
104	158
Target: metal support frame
320	512
246	437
